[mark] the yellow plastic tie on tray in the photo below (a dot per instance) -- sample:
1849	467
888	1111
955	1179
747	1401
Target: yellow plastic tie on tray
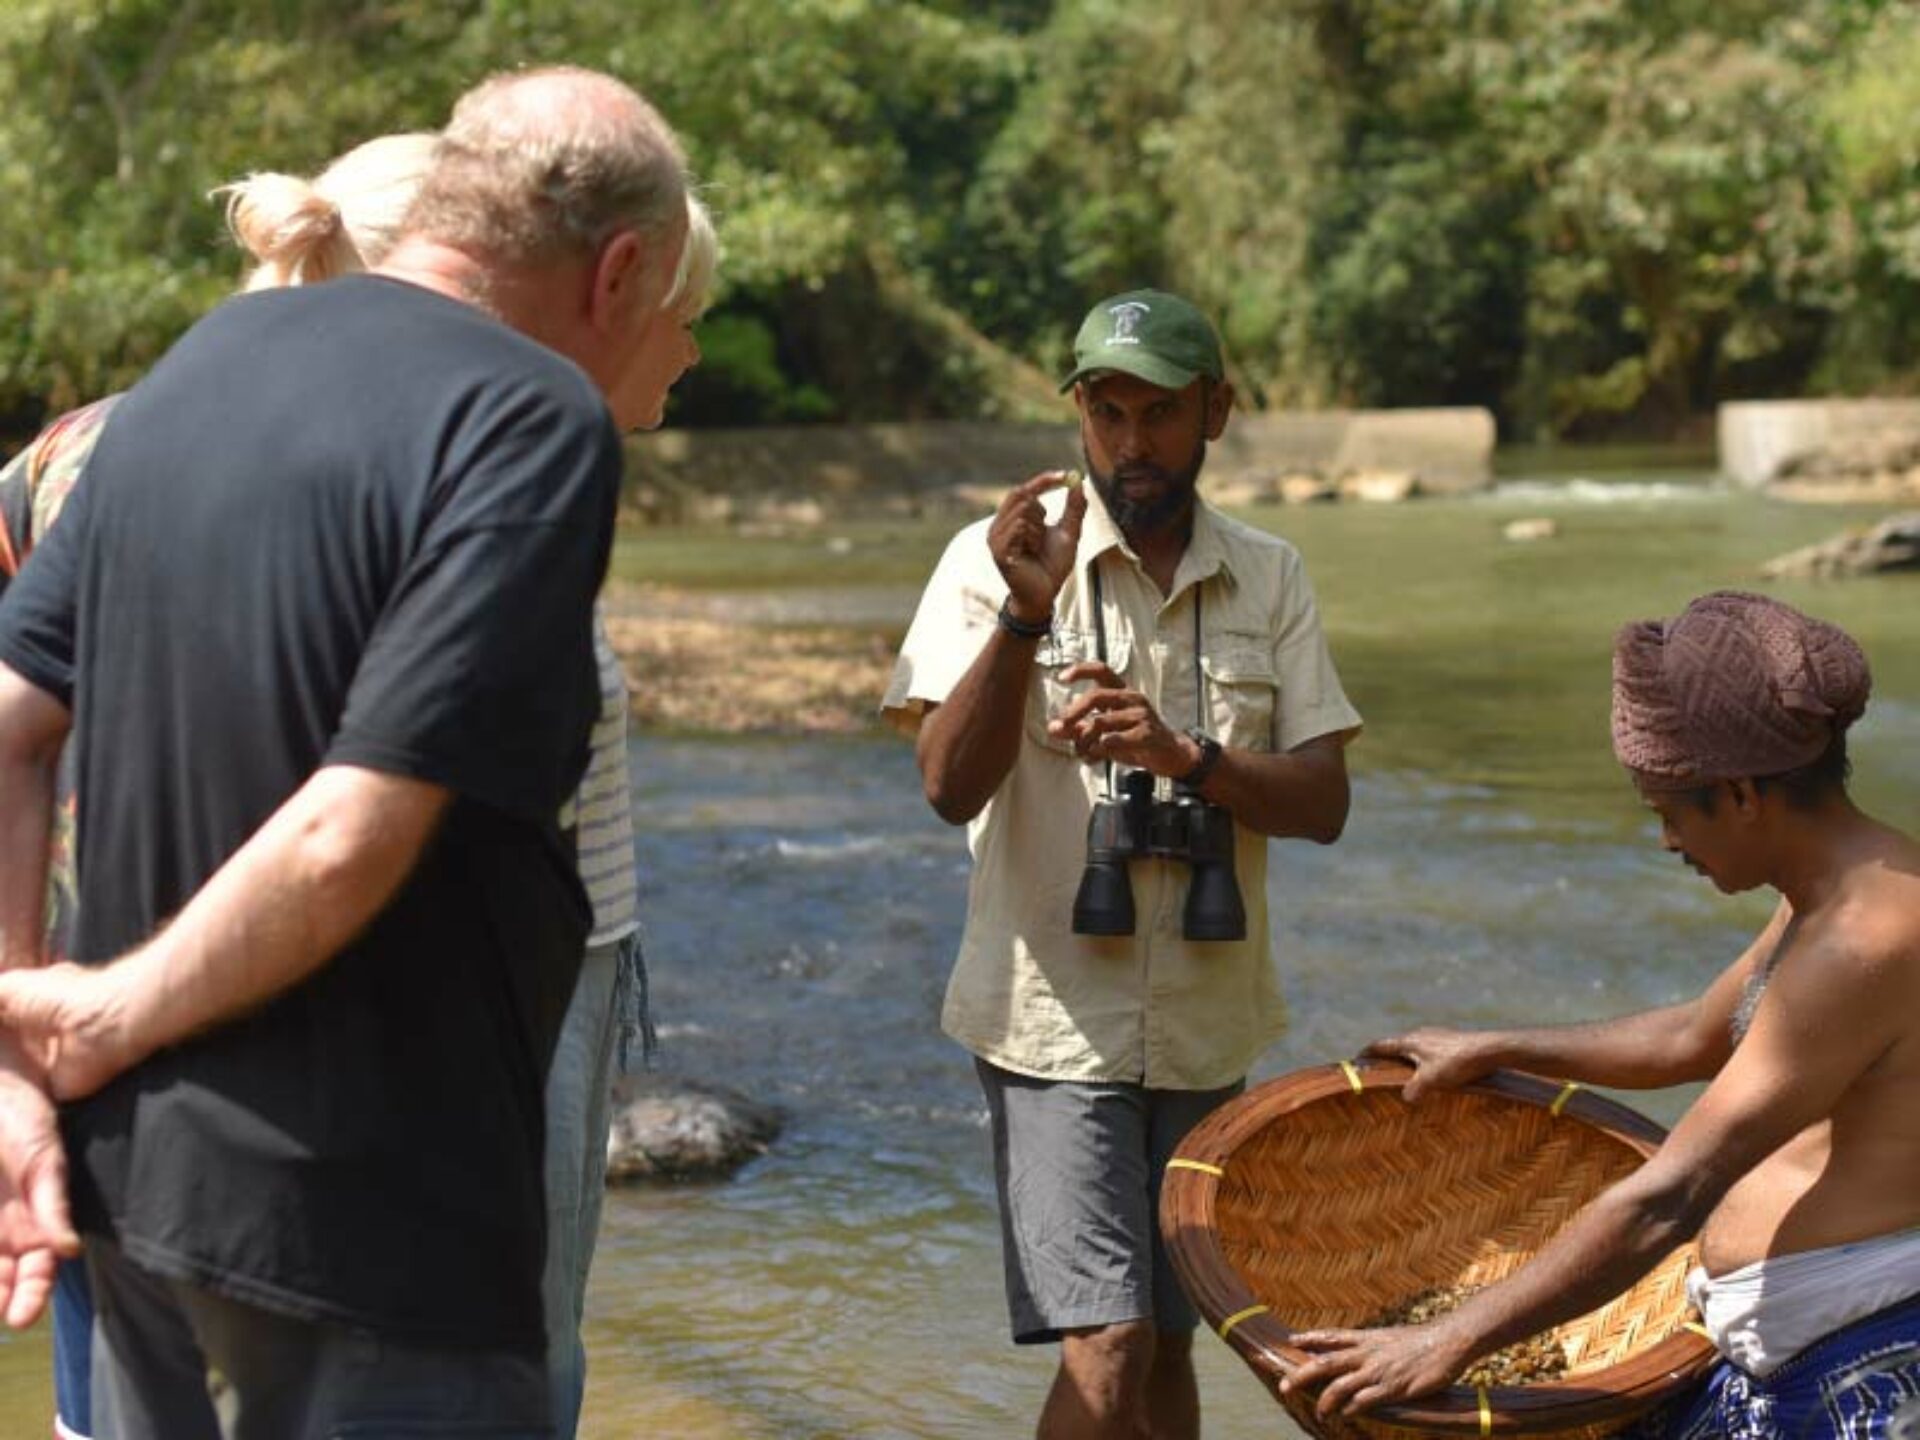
1486	1410
1179	1163
1353	1075
1226	1325
1697	1328
1560	1100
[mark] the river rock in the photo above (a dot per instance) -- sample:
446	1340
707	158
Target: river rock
1879	467
1240	492
1854	456
667	1128
1893	544
1379	487
1530	528
1306	487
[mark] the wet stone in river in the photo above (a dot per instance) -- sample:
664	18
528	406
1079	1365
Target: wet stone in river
665	1128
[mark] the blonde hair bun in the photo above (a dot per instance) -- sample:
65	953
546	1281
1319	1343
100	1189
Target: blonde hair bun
293	232
301	231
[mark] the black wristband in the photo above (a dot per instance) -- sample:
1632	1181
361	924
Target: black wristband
1025	629
1209	757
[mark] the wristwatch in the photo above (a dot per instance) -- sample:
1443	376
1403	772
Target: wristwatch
1209	757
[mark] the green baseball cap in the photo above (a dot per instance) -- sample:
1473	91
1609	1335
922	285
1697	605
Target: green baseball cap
1150	334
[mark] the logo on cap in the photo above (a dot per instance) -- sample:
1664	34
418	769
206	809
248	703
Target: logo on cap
1127	316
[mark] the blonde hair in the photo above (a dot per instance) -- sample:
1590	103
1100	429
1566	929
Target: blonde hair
699	258
302	231
543	165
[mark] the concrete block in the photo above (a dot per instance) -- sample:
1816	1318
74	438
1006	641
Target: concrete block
1758	437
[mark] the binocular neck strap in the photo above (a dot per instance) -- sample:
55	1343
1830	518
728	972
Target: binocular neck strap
1100	650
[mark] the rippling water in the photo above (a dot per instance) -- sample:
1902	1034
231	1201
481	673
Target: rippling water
804	904
849	1283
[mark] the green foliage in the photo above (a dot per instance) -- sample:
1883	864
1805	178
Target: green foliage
1679	201
1588	214
1873	130
739	373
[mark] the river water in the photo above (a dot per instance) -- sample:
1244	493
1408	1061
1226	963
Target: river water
803	906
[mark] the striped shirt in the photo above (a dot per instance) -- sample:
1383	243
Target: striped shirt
604	807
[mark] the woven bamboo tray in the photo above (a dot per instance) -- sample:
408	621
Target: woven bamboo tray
1323	1199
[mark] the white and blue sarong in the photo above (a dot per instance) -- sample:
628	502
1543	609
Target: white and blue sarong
1860	1382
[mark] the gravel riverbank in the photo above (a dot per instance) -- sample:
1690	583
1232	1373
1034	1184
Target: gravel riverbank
720	664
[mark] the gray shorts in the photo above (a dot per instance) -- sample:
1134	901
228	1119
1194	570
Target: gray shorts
1078	1170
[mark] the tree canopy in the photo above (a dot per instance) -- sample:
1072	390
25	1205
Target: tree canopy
1593	216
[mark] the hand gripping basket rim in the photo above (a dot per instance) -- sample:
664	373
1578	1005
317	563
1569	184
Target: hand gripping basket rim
1187	1220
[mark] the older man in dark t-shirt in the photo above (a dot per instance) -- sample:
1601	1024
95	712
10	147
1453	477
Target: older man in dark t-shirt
320	621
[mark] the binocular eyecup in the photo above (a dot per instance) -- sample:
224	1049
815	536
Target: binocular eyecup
1139	826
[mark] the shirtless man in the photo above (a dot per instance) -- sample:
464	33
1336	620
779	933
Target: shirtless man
1799	1166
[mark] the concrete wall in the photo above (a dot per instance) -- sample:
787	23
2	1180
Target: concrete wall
1757	437
1450	449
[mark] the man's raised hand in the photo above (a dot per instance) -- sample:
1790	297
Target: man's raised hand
1034	557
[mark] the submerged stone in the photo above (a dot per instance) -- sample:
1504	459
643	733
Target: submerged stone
1893	544
1529	529
667	1128
1379	487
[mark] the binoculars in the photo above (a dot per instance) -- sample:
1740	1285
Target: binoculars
1138	826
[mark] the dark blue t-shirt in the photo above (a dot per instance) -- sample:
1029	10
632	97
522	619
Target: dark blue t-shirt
357	524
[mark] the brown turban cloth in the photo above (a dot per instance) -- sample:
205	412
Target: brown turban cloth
1735	686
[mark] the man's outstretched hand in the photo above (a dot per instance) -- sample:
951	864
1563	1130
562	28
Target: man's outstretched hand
1442	1059
1359	1369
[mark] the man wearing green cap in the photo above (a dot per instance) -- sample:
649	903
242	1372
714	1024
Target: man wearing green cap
1068	643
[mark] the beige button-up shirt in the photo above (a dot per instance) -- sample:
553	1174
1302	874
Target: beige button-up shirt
1028	994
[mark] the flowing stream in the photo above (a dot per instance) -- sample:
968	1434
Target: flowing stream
803	904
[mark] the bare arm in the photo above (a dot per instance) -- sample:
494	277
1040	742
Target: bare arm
1668	1046
1302	794
1616	1239
314	875
33	727
966	746
34	1226
1832	1014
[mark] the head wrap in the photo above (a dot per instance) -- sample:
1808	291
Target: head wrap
1735	686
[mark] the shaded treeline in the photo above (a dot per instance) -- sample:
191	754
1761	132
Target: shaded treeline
1595	216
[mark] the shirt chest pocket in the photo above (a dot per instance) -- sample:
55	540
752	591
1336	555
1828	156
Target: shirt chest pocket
1049	695
1243	690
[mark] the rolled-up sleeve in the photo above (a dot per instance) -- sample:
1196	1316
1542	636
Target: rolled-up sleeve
1312	701
949	629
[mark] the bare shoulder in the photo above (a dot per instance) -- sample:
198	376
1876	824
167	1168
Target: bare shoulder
1865	942
1879	907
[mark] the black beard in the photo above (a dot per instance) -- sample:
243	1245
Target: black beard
1149	517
